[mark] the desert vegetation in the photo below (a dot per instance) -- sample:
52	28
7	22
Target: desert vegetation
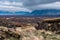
29	29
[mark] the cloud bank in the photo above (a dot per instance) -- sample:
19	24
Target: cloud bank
37	2
12	6
55	5
28	5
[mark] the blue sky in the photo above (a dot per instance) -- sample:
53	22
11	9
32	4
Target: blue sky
28	5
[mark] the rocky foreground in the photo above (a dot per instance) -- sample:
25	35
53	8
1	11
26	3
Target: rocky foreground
29	29
26	33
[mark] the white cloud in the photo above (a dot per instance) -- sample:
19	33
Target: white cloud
12	6
51	5
28	5
11	3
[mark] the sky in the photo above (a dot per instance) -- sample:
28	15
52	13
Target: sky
28	5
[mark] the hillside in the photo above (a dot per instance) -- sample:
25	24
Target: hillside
45	12
13	13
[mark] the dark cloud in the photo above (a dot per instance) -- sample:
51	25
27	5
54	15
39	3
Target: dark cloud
32	2
37	2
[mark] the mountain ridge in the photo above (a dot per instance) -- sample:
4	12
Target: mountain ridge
42	12
45	12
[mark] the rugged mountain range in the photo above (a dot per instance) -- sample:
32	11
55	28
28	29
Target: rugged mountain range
43	12
13	13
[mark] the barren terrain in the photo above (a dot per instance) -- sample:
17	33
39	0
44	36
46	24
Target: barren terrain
29	28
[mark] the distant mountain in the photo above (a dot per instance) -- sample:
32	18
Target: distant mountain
13	13
45	12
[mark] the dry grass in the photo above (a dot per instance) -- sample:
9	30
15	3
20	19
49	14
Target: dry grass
31	33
